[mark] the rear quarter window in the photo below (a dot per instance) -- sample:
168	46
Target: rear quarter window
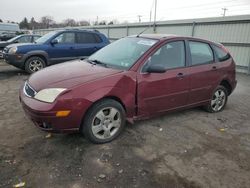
221	54
87	38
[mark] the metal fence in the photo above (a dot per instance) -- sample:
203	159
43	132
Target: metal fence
231	31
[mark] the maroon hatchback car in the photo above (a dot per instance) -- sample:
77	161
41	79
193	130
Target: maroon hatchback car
133	78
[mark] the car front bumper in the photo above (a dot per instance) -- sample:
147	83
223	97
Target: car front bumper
43	114
1	54
16	60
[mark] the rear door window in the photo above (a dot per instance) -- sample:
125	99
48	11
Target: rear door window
201	53
87	38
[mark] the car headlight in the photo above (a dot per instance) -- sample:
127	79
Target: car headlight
13	50
49	95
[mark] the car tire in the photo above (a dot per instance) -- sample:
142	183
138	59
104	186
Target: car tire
218	101
104	121
34	64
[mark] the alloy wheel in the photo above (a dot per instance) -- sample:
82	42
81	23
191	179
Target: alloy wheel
106	123
35	65
218	101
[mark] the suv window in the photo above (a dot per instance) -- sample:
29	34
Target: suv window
201	53
221	54
68	37
171	55
86	38
24	39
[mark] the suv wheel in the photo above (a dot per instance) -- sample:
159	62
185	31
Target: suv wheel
34	64
104	121
218	101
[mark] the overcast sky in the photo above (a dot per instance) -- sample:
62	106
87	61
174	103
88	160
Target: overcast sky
122	10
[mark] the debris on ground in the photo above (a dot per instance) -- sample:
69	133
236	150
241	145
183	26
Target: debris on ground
102	176
160	129
222	130
120	171
49	135
21	184
105	157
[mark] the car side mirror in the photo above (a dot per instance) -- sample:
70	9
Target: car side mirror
54	41
156	69
16	41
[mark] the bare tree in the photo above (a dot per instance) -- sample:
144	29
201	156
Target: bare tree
113	22
47	21
103	22
24	24
33	24
83	23
70	22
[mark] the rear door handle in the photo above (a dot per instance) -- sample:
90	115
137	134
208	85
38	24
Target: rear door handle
71	47
180	75
214	68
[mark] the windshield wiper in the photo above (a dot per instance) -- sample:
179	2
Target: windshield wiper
95	62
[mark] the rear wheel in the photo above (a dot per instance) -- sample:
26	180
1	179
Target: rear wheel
34	64
104	121
218	101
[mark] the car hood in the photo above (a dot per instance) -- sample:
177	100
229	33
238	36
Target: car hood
4	44
21	44
68	75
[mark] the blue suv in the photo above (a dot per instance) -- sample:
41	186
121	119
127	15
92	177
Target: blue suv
54	47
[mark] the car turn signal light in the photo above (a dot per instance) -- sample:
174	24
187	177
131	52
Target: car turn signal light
62	113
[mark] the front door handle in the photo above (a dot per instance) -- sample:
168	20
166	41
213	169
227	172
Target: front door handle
214	68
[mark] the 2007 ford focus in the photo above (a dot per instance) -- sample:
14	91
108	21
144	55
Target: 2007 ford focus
131	79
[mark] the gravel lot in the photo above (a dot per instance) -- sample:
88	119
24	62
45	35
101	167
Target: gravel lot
190	148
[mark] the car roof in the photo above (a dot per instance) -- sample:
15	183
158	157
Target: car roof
172	36
78	30
157	36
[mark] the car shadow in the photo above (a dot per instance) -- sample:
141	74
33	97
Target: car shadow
7	72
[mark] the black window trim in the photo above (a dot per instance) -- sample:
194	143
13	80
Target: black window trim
163	44
189	52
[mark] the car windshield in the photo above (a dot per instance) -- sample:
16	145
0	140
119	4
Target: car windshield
13	39
45	37
123	53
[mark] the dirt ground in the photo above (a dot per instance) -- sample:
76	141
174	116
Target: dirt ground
190	148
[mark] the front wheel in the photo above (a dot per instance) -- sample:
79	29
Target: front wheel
104	121
34	64
218	101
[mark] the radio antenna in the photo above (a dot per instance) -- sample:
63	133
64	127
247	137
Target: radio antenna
138	35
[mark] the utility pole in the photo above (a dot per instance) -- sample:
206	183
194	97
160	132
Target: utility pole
224	11
139	17
97	21
155	16
150	15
